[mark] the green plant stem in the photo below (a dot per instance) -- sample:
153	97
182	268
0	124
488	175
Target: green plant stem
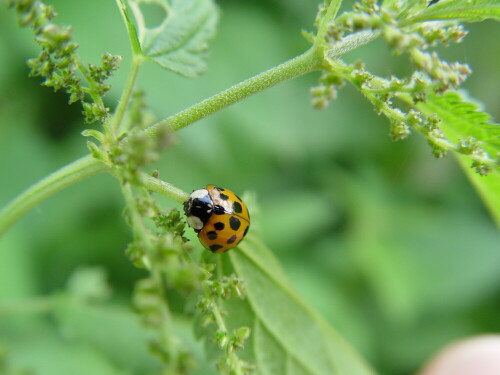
93	90
141	235
309	61
66	176
331	12
166	329
140	232
132	32
302	64
117	125
221	325
164	188
350	43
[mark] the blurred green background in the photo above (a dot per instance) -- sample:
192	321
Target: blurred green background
391	246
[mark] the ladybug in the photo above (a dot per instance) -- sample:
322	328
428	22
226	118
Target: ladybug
219	216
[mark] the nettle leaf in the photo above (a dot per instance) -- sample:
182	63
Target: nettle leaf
287	336
487	187
464	10
460	120
180	42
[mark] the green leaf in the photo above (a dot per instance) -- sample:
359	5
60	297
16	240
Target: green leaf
488	187
288	337
112	330
460	120
464	10
179	42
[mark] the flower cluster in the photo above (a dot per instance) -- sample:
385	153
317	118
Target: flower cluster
326	91
432	75
149	303
164	252
59	64
211	308
139	150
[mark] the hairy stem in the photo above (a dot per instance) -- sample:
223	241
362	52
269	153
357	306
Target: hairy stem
330	14
117	126
302	64
164	188
142	236
309	61
350	43
131	30
66	176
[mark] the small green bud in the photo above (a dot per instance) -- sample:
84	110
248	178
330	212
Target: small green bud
438	151
400	131
111	62
94	112
335	33
75	95
54	37
468	146
319	103
155	173
26	18
242	333
317	91
481	168
414	118
359	65
47	12
221	338
361	77
97	152
174	215
238	338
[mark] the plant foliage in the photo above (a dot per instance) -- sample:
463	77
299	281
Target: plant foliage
179	43
242	305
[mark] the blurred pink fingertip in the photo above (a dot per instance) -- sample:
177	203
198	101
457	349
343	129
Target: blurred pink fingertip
478	355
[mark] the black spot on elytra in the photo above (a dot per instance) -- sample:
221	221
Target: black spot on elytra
215	247
232	239
219	210
237	207
223	196
234	223
218	188
211	235
219	226
246	231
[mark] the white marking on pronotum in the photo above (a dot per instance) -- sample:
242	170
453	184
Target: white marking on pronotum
199	193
